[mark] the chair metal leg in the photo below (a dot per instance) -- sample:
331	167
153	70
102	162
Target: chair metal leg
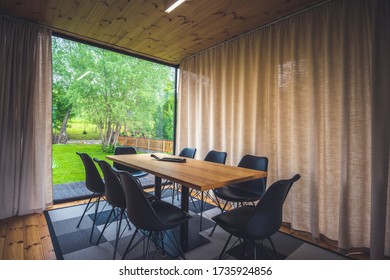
118	232
176	244
162	244
254	250
127	221
193	202
201	211
155	238
212	231
175	189
105	226
173	192
143	249
211	197
85	210
146	254
128	246
94	218
177	192
244	252
273	247
192	197
224	247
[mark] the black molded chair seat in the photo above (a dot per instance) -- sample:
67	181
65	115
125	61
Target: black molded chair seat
139	173
154	217
234	193
249	191
234	221
169	215
258	222
256	188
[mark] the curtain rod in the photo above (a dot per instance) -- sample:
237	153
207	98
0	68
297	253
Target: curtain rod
263	26
11	17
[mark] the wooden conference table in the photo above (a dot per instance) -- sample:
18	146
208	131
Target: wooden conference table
197	174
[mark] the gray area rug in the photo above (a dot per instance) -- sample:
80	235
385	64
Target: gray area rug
71	243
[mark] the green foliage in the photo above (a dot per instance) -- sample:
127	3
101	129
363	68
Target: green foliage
168	118
165	118
109	149
110	90
67	165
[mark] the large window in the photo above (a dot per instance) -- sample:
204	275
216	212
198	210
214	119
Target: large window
100	97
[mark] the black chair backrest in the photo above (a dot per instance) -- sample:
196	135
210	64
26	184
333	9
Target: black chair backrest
215	156
93	180
188	152
267	216
124	150
257	186
113	188
139	210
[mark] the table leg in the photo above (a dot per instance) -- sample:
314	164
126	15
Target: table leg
184	227
157	187
188	240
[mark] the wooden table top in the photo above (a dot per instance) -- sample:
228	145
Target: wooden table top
198	174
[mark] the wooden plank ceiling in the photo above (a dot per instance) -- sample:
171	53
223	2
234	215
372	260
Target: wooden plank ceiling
144	28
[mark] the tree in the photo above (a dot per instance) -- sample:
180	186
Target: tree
62	79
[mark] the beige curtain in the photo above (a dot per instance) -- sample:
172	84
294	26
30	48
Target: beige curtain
303	92
25	118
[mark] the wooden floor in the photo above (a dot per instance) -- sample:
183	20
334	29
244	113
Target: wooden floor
28	237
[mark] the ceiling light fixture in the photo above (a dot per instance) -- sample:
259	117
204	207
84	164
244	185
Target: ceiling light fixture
173	5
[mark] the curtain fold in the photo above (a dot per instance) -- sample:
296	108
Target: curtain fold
25	117
380	180
303	92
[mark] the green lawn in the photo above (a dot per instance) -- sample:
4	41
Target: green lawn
67	165
76	128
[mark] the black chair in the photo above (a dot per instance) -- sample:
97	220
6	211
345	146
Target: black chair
125	150
94	184
152	218
187	153
215	156
115	196
245	192
212	156
259	222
